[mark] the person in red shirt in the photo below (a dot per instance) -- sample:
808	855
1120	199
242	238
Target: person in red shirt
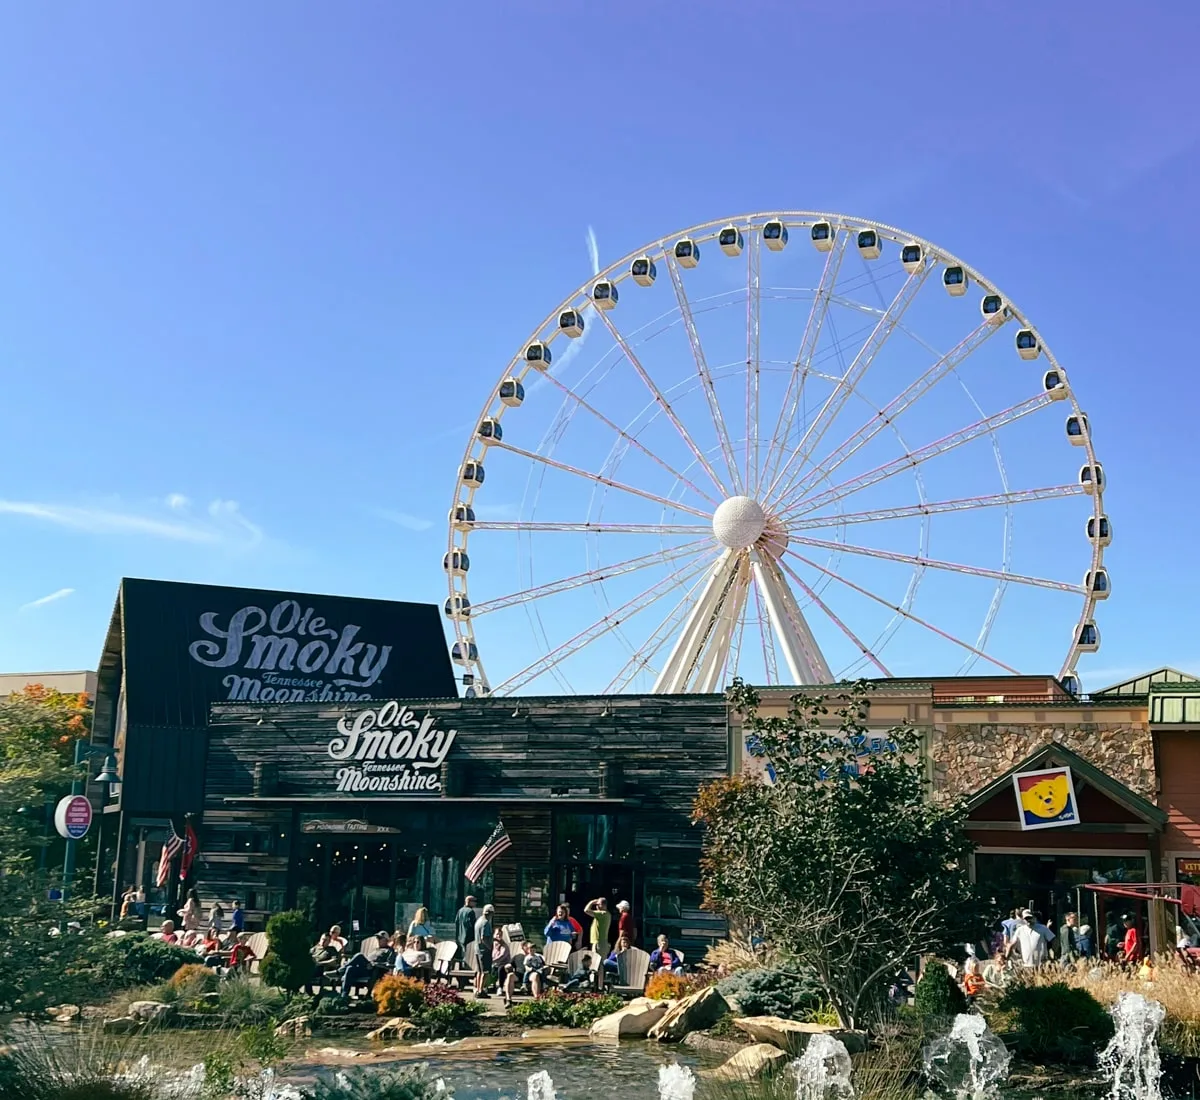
1131	946
242	954
625	925
166	933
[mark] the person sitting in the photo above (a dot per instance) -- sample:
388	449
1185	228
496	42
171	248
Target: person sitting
611	966
358	971
664	960
997	971
209	948
242	954
531	968
414	957
337	941
420	926
324	954
383	958
166	932
190	938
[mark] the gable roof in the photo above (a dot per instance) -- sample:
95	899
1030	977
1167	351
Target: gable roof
1054	754
1140	685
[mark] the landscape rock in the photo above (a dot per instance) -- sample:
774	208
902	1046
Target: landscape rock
703	1041
695	1013
300	1027
634	1021
64	1013
395	1028
750	1062
151	1012
122	1025
793	1036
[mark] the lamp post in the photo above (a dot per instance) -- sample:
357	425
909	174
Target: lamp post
108	774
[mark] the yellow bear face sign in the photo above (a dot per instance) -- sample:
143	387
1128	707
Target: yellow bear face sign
1046	798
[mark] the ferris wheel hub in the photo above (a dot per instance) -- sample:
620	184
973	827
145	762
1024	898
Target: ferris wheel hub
739	522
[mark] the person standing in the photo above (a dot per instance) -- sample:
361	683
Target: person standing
559	929
483	949
464	925
1131	944
191	911
625	925
216	916
237	919
598	932
1029	942
1068	940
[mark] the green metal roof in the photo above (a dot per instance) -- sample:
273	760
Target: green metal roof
1150	681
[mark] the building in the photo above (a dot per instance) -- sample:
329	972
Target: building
173	650
1131	752
360	815
69	683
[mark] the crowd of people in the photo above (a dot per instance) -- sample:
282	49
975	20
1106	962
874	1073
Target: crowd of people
225	949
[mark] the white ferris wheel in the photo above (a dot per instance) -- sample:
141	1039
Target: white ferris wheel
826	449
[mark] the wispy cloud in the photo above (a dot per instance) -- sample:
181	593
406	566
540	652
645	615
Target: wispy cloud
404	519
54	597
221	523
576	346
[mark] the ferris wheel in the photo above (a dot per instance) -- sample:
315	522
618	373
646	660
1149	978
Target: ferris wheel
827	450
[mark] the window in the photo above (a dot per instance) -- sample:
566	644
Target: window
535	893
593	838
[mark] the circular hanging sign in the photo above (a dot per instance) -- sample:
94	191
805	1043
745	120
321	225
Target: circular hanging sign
73	816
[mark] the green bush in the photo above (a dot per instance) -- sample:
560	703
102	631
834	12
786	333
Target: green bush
413	1083
557	1009
789	994
136	960
445	1013
288	964
937	994
1058	1022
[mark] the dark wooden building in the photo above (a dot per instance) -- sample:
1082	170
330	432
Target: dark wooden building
172	650
359	814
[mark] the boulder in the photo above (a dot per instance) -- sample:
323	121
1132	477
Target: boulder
122	1025
634	1021
695	1013
65	1013
750	1062
151	1012
395	1028
793	1036
299	1027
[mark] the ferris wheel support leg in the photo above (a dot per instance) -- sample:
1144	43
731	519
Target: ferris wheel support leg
724	626
677	672
804	658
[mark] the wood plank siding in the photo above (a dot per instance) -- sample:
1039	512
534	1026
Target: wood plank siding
551	769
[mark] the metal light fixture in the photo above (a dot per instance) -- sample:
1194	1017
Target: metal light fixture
108	774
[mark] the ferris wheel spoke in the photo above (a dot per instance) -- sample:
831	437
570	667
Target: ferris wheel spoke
567	584
800	506
899	610
660	397
934	563
600	479
753	312
640	661
803	479
829	613
600	627
710	391
766	637
963	504
804	359
859	366
600	528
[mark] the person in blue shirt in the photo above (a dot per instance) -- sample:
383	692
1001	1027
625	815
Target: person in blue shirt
664	960
611	966
237	919
560	929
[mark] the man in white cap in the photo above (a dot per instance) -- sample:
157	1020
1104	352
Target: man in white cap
625	926
1030	941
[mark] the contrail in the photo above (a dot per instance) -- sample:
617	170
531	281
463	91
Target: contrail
576	346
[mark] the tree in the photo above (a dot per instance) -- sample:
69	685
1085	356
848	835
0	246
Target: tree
842	862
288	963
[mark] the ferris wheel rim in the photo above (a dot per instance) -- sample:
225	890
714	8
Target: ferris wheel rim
843	225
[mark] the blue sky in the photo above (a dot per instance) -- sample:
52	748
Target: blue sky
261	265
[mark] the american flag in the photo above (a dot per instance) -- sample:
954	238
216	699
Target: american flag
171	848
497	843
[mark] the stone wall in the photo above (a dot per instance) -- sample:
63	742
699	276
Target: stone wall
967	757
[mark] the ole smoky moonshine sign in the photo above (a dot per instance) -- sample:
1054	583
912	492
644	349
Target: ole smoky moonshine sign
390	750
187	646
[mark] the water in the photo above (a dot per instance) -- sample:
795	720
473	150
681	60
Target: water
823	1070
676	1082
1131	1059
970	1063
540	1086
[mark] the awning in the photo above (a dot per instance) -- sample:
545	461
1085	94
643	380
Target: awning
1188	900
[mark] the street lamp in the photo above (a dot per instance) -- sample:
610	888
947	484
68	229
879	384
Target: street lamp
108	774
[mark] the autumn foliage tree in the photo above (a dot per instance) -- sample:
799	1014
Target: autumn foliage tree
841	862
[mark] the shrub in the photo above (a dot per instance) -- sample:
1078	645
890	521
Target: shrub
288	964
243	1001
396	995
413	1083
937	994
443	1013
776	991
193	980
137	960
1057	1022
557	1009
671	987
38	1070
